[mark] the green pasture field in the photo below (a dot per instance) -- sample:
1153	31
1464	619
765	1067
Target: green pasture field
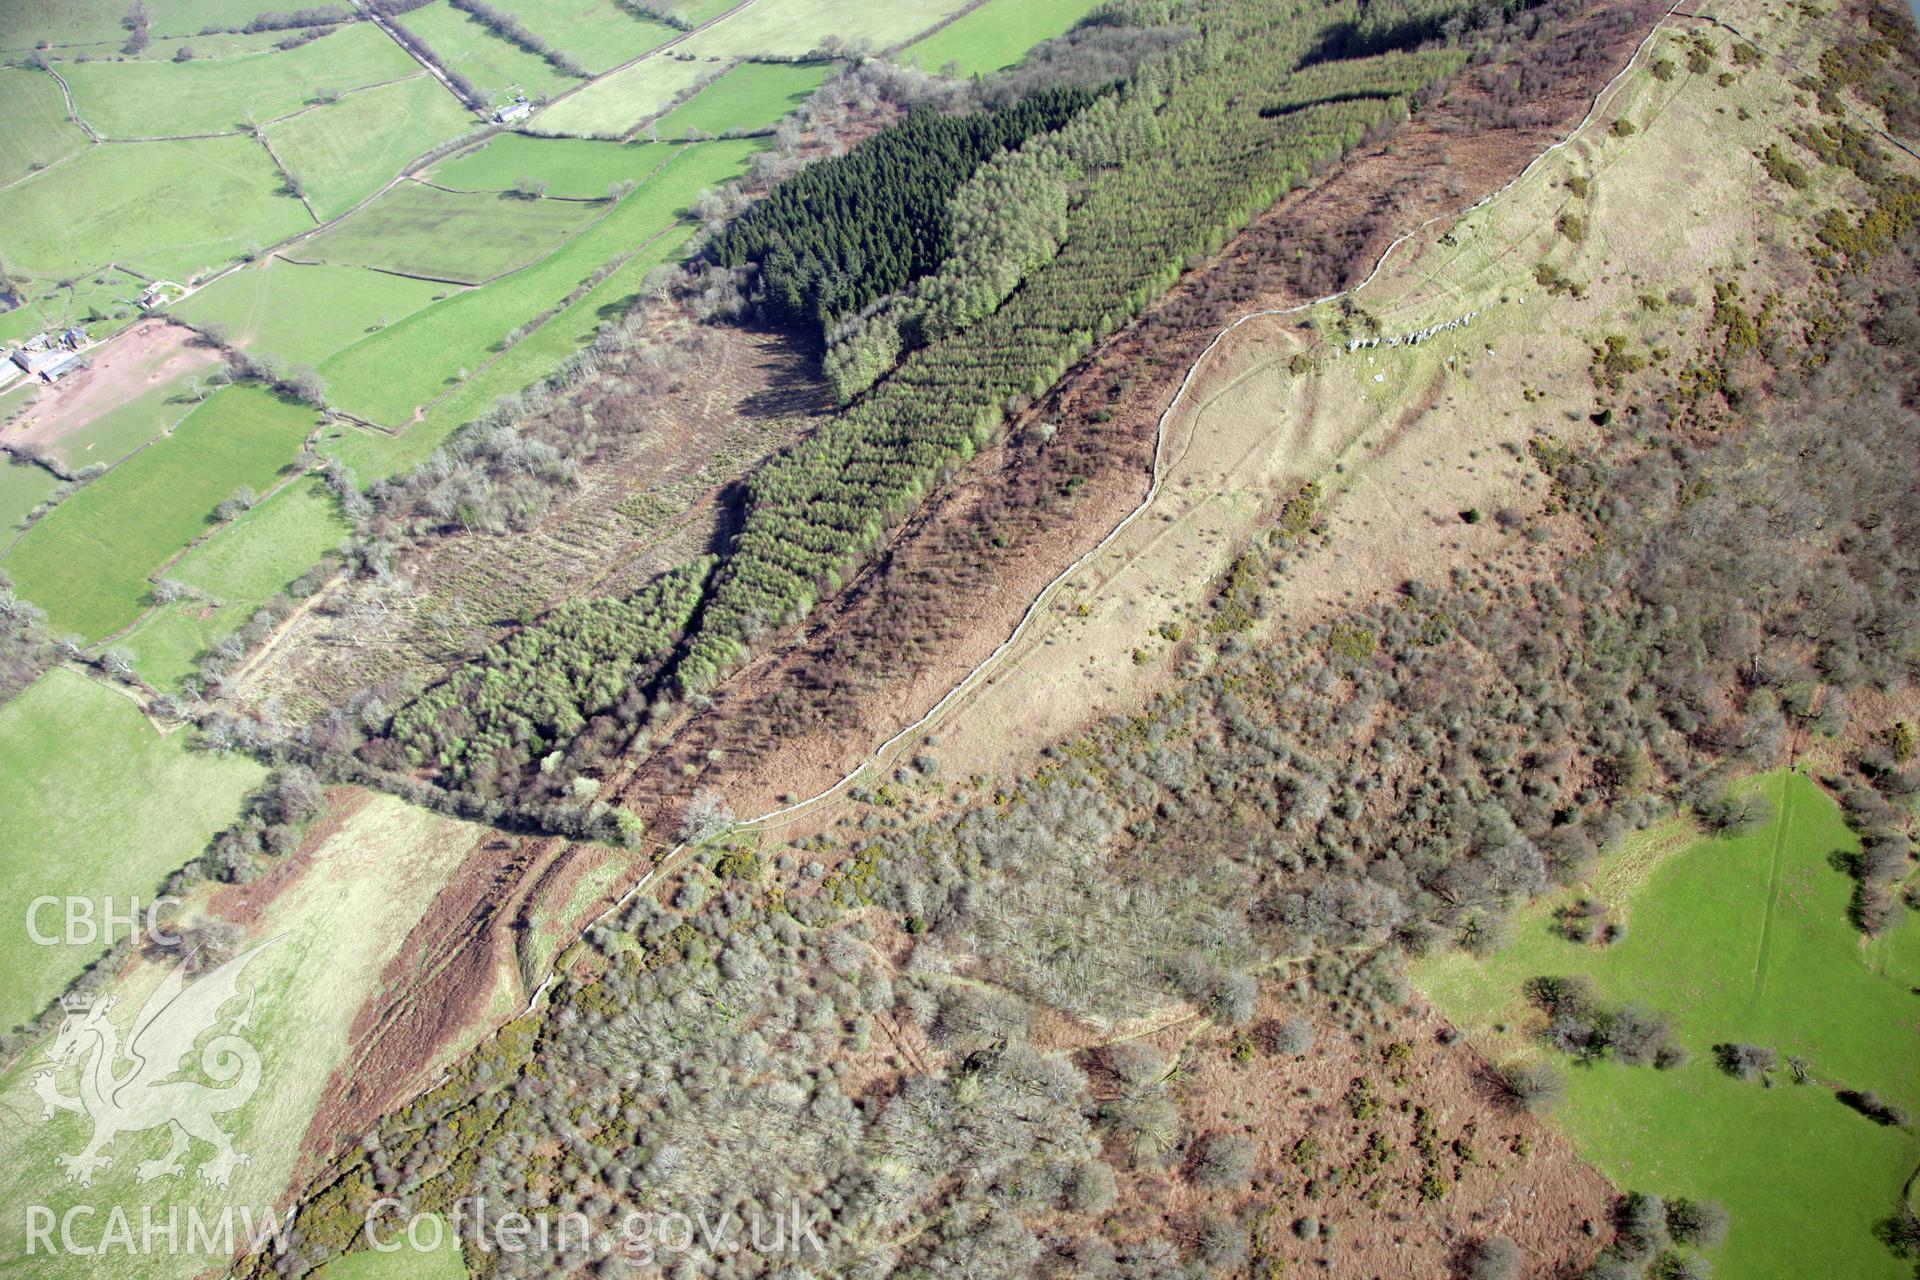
797	26
38	132
463	237
219	95
406	1263
166	208
1736	940
577	167
348	150
493	64
119	431
388	375
88	560
373	860
302	313
614	106
373	456
752	96
598	33
84	22
223	44
23	487
239	568
94	803
699	12
997	34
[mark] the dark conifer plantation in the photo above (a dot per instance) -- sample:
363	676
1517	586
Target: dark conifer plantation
850	230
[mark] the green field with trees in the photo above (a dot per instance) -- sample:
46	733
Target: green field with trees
39	132
231	575
87	561
166	208
793	27
995	35
103	22
116	433
454	236
597	34
493	65
344	151
302	313
95	802
752	96
1737	940
579	167
614	105
387	375
23	487
227	95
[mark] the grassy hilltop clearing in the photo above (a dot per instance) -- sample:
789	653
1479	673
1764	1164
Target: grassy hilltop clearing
1742	939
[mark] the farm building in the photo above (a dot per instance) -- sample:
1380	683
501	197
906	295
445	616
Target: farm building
513	111
48	362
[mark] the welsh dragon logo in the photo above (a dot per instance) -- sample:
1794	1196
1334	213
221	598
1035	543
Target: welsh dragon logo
132	1090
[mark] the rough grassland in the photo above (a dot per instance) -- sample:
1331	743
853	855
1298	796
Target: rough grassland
304	313
569	166
345	151
1736	940
598	33
997	34
239	568
797	26
614	106
219	95
374	871
388	375
87	561
94	803
38	132
22	488
448	235
754	95
166	208
493	64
